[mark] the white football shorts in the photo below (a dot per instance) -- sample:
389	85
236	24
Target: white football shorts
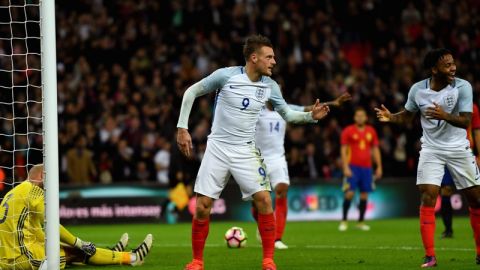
460	163
277	170
222	160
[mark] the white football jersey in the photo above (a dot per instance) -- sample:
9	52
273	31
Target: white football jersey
455	98
238	103
270	134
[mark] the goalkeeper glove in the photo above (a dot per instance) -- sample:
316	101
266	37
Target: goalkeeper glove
87	247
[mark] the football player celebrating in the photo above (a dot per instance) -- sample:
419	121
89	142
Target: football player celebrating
445	105
231	151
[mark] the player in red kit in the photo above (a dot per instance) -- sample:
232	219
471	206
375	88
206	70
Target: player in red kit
359	143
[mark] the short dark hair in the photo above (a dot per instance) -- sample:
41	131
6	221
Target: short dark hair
432	57
359	108
254	43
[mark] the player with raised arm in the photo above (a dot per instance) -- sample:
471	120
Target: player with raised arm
359	144
448	186
22	236
445	105
269	137
231	151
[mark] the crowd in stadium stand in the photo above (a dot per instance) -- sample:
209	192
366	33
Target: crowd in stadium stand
124	65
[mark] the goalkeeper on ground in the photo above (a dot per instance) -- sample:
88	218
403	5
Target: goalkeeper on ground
22	239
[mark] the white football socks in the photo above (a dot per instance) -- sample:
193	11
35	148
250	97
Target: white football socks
133	257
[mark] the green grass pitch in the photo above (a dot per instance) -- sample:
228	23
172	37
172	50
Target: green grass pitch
391	244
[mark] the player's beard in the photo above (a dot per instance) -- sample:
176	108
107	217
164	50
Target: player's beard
445	78
268	71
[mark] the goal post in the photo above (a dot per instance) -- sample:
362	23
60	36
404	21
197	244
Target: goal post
50	132
28	123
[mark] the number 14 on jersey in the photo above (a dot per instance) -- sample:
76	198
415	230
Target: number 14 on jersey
274	126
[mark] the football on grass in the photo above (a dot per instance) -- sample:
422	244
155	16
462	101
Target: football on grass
235	237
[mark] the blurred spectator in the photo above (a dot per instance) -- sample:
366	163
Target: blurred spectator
105	166
2	180
109	131
313	172
123	162
123	67
162	163
81	169
296	164
142	172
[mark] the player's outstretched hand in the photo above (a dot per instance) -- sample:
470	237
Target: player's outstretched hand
319	111
435	112
184	142
383	114
342	99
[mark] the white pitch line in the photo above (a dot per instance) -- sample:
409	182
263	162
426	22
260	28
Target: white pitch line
185	245
385	248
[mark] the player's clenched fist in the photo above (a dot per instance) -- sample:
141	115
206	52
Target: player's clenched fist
383	114
184	142
319	111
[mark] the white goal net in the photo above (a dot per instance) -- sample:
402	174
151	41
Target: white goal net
21	139
22	95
